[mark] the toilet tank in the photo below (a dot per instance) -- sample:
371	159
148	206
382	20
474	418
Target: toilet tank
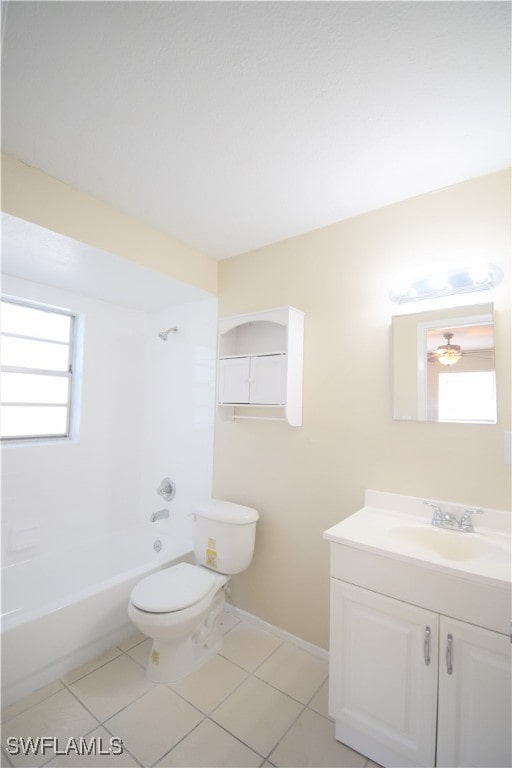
223	535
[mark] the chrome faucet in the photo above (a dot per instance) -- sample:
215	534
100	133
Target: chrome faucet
442	519
466	521
160	515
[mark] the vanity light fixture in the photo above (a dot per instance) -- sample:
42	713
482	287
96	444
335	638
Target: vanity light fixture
478	276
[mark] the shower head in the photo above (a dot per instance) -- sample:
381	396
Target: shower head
164	334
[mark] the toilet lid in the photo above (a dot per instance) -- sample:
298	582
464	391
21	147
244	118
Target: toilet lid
172	589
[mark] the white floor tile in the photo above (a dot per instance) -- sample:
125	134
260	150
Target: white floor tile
4	760
154	724
90	666
310	743
257	714
140	652
60	716
228	620
111	687
245	705
211	684
29	701
209	746
320	701
101	746
134	639
294	671
248	646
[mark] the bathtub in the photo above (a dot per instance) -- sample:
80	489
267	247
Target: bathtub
62	610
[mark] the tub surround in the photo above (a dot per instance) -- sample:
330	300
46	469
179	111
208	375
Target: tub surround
139	423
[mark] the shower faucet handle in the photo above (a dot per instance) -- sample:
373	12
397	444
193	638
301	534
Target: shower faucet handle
167	489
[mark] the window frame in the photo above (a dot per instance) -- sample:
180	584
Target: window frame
69	374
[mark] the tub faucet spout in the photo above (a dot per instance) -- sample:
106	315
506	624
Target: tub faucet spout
160	515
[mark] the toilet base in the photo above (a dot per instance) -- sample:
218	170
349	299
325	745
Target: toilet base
172	660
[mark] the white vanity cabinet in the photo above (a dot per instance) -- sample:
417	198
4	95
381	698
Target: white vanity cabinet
260	362
474	716
402	678
383	676
420	642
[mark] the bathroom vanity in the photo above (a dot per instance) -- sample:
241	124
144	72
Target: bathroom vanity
420	653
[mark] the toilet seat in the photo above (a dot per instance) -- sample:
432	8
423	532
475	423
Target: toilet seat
172	589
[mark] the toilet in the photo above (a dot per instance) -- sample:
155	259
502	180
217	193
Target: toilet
180	607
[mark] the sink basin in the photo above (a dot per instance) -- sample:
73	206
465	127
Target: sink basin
397	529
450	545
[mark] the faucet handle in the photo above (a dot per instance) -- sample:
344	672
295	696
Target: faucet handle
167	489
466	521
438	515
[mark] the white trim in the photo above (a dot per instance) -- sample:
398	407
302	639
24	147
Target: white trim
314	650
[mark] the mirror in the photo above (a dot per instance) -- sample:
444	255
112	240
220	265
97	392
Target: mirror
443	365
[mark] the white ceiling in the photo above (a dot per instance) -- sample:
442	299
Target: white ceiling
230	125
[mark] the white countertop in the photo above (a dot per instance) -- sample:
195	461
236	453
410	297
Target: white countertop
400	527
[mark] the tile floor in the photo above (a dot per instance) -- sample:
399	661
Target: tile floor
262	701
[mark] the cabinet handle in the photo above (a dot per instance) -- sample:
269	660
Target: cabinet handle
426	646
449	654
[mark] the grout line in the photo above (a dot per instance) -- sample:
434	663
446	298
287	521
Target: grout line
178	742
81	677
143	666
287	731
102	722
326	679
98	721
125	750
237	738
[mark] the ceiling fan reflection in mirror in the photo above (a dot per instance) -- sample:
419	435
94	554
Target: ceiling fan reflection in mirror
450	354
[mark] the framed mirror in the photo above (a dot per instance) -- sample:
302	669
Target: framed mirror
443	365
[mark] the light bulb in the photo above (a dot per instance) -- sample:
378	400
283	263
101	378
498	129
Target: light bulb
438	281
479	273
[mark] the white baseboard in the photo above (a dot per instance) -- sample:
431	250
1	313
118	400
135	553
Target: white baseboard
314	650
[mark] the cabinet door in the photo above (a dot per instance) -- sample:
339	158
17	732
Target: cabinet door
474	697
234	375
268	380
383	676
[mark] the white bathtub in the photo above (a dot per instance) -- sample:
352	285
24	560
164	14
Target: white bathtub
62	610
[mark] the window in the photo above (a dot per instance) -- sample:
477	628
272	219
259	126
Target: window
467	396
36	380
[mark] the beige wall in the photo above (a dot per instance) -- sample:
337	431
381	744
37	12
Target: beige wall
32	195
305	479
